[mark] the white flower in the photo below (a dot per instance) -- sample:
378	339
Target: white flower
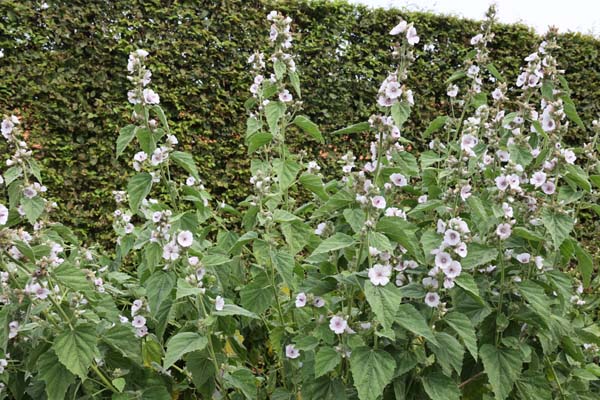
300	300
549	187
272	15
170	251
285	96
432	299
476	39
443	259
473	71
338	324
380	274
467	143
451	237
422	199
318	302
539	262
138	321
398	180
524	258
411	36
393	90
13	329
185	238
141	53
538	178
461	249
7	127
569	156
123	319
136	306
401	27
320	228
452	91
3	364
378	202
291	351
142	331
3	214
504	231
502	182
465	192
395	212
150	96
39	291
497	94
453	270
219	303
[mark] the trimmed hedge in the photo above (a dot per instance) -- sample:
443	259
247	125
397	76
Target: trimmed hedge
64	71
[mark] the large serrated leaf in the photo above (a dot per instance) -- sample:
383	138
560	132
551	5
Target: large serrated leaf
384	301
76	348
181	344
372	371
502	367
138	188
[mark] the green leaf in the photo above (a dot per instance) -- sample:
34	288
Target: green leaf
402	232
355	217
558	225
494	71
258	295
309	127
146	139
138	188
72	277
314	183
161	117
158	289
274	111
258	140
335	242
571	111
284	216
286	172
360	127
76	348
468	284
181	344
440	387
11	174
449	353
464	328
33	208
576	175
400	113
202	368
384	301
186	161
324	388
435	126
477	255
284	263
232	309
372	371
502	367
585	264
295	81
122	338
326	360
412	320
407	163
296	235
455	76
242	379
212	260
56	377
280	68
520	155
126	135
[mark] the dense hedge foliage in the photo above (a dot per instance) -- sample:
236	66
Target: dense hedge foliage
63	66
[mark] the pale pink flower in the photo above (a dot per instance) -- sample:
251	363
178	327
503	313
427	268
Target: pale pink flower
443	259
398	180
451	237
185	238
432	299
219	303
411	36
538	179
504	231
300	300
291	351
378	202
401	27
138	321
338	324
380	274
524	258
549	187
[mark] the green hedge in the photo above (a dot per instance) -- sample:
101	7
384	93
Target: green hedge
64	70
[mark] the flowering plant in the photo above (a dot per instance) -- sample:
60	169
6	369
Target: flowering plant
442	274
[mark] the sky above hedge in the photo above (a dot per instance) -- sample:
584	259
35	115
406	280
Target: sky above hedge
575	15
